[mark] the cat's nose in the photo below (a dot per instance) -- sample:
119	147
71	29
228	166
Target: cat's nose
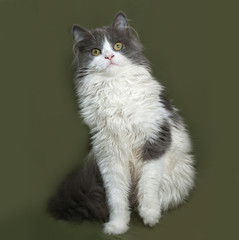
110	56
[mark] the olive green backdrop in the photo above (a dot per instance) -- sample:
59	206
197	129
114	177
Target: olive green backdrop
43	137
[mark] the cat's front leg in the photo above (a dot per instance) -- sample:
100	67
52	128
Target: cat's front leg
149	206
116	177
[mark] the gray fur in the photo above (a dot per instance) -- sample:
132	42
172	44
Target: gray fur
155	148
82	195
171	109
120	22
119	31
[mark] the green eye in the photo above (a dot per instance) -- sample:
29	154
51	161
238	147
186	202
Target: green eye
118	46
95	52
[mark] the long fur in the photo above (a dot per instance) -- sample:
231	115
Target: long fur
81	196
140	144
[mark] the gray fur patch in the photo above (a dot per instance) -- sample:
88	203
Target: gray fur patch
155	148
86	40
170	108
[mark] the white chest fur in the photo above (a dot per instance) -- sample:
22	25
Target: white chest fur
126	104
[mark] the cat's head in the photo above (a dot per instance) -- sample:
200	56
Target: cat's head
108	49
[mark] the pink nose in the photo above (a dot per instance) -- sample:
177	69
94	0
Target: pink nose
109	56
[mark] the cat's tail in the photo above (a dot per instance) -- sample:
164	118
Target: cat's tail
81	196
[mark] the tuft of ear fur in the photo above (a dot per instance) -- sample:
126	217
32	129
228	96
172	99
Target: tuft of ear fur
120	22
79	32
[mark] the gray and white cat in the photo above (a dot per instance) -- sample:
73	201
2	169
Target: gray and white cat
141	152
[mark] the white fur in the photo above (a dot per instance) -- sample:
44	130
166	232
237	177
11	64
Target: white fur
148	191
120	104
101	64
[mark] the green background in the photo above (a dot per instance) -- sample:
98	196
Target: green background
43	137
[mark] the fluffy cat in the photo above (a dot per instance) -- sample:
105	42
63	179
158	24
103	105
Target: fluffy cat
141	152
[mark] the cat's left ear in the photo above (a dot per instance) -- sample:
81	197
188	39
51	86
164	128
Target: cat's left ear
120	22
79	33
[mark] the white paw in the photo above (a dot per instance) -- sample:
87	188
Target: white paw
150	216
115	227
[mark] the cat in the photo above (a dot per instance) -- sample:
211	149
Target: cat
141	155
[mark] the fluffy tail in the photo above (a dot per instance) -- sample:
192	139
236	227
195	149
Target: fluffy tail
81	196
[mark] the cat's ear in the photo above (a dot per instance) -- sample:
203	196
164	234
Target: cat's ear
120	22
79	33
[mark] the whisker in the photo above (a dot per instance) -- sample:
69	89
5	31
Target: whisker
131	28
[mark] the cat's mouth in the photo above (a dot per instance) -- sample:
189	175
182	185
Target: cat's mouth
111	68
110	64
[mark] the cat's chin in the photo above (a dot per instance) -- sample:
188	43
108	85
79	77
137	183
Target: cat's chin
112	69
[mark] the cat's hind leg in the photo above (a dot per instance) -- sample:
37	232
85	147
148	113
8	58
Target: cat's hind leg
178	179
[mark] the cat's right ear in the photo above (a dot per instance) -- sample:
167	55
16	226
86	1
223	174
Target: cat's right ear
79	33
120	22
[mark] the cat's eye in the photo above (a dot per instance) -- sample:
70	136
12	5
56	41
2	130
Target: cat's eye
118	46
95	52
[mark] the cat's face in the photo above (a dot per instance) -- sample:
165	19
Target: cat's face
108	49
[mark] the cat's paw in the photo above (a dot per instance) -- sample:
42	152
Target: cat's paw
150	216
115	227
